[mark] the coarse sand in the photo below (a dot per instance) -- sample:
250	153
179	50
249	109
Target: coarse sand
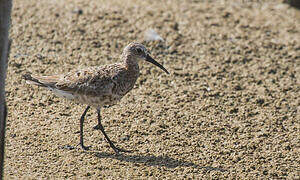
228	110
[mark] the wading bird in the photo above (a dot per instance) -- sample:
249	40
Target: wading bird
98	86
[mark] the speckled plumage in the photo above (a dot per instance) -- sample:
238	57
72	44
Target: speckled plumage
98	86
95	86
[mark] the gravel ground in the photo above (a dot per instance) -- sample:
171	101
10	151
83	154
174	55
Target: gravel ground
229	108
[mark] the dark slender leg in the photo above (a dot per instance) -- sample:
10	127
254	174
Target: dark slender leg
97	127
81	128
116	149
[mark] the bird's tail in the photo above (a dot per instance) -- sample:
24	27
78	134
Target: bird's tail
32	80
45	81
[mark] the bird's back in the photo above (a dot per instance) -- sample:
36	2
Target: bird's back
95	86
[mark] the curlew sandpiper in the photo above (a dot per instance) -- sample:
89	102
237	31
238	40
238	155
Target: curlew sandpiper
98	86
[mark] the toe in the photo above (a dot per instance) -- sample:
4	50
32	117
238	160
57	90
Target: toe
97	127
118	150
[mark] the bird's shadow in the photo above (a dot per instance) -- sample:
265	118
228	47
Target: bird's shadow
152	160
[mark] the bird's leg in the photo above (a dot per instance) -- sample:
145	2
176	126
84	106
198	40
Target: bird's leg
116	149
99	120
81	128
97	127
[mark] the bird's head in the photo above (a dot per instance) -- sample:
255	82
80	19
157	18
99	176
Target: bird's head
138	51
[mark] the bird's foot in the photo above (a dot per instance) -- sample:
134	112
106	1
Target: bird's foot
85	147
67	147
107	106
97	127
118	150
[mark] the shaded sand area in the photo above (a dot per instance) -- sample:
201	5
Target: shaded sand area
229	108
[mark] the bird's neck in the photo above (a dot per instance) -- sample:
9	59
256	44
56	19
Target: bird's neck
130	63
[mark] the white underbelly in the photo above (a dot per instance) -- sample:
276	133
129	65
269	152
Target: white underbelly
95	101
63	94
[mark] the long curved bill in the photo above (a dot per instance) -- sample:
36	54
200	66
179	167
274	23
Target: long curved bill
150	59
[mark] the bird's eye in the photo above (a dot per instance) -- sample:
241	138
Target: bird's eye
139	50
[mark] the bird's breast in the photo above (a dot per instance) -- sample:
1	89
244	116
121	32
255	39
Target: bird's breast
123	87
124	82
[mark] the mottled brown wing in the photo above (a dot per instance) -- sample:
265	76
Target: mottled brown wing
45	81
90	81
